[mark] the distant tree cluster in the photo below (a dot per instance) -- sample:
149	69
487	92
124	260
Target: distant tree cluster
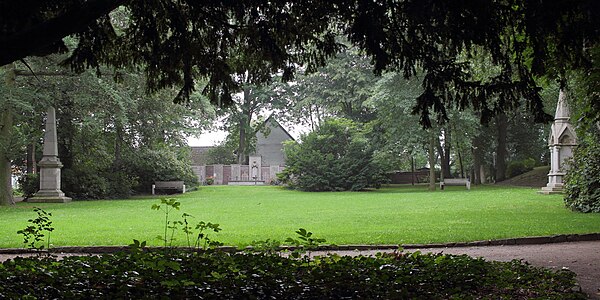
113	139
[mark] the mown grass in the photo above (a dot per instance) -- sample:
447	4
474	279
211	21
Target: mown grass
391	215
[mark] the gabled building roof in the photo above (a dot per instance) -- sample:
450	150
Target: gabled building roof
270	147
272	120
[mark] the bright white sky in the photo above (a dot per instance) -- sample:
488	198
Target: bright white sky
215	137
207	139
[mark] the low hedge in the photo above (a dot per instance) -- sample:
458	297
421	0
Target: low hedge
218	275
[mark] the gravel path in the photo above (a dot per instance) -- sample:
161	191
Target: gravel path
583	258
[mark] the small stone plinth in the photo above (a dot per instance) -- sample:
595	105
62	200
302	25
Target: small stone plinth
555	186
551	190
37	199
49	196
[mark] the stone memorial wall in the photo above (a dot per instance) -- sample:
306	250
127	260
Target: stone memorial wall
236	174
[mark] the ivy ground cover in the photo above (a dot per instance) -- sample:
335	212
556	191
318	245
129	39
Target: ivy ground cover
391	215
218	275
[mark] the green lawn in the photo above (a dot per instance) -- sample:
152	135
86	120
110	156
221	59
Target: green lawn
394	215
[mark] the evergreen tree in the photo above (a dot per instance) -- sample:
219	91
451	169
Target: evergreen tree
335	157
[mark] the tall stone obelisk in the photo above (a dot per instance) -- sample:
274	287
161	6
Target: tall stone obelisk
50	165
562	141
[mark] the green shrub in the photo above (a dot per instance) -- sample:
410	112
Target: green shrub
582	182
29	184
121	184
335	157
84	184
519	167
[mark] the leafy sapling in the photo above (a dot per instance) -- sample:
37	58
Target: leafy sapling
167	205
187	229
137	246
34	233
268	247
304	242
203	239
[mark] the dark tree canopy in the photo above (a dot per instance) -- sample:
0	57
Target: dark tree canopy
175	42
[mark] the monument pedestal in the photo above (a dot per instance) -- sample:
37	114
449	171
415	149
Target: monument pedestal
49	197
49	182
555	184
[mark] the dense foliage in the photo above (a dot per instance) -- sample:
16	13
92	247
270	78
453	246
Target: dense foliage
582	183
219	275
114	140
178	41
336	156
519	167
223	153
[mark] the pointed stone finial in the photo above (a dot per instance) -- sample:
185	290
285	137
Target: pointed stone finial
562	107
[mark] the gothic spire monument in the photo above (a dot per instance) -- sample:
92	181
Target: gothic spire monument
562	141
50	165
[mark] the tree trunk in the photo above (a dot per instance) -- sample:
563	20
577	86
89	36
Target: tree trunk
6	125
501	152
432	142
244	123
447	150
460	161
445	154
241	151
6	197
31	169
477	159
65	132
117	162
312	121
412	167
319	116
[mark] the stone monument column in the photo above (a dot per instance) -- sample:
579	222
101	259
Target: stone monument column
50	165
561	142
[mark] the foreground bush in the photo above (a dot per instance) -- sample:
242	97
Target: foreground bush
219	275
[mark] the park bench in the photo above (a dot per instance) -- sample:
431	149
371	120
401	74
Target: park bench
170	186
455	181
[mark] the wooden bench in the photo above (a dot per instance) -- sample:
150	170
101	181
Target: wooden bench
171	186
455	181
